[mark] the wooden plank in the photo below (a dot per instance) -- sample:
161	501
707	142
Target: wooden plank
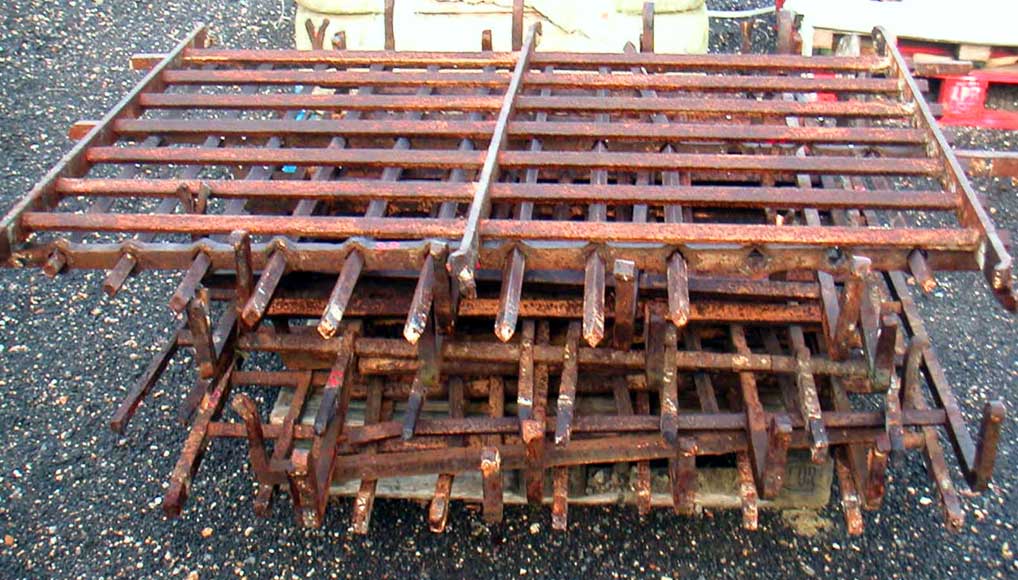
974	52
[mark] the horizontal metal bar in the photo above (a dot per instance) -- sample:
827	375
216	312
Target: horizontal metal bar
693	196
623	449
626	131
418	228
701	310
358	435
541	255
988	163
379	287
335	59
591	358
633	424
675	105
627	81
441	159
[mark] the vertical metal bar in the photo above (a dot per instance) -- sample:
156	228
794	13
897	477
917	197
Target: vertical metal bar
311	471
253	311
201	334
848	318
429	352
525	376
248	411
420	304
509	297
933	452
129	405
444	295
620	392
390	27
593	299
463	261
756	422
491	474
678	290
338	384
560	498
704	388
496	405
189	283
682	472
850	502
341	293
533	430
879	333
809	399
194	446
670	386
989	440
747	492
779	435
438	510
893	418
643	482
626	299
567	386
241	242
594	271
364	502
921	271
876	472
647	36
281	449
517	31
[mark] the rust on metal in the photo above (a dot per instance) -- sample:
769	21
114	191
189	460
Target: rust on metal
516	276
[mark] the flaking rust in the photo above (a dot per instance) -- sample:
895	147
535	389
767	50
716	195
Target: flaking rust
535	277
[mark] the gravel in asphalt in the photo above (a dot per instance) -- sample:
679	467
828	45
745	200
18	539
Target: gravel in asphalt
79	501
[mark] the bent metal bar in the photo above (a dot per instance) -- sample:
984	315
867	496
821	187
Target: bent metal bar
499	276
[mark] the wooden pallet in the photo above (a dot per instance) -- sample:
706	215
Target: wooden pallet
807	485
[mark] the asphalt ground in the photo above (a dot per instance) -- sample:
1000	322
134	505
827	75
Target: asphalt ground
79	501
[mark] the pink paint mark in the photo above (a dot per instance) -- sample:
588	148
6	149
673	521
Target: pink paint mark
335	379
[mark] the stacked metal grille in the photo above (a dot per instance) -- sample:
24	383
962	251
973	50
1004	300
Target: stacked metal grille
504	269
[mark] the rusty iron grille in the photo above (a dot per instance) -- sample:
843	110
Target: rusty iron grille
684	259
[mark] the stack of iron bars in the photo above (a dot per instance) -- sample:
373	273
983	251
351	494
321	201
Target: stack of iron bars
500	276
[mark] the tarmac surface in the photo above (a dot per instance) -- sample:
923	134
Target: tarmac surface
78	501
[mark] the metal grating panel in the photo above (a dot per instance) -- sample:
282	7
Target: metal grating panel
681	257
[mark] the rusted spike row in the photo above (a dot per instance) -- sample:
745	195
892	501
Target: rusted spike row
354	263
255	306
734	238
431	447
